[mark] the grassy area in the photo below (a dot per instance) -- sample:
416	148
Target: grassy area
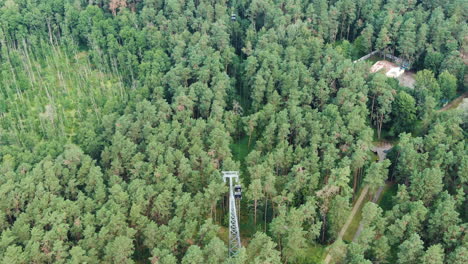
240	148
386	199
418	129
373	59
373	156
454	105
353	226
384	136
223	234
246	223
358	193
315	253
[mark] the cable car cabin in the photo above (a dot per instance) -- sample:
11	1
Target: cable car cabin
237	192
233	17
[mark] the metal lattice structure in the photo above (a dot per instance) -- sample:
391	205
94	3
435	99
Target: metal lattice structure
234	234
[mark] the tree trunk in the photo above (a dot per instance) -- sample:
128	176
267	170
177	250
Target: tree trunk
347	33
50	32
324	225
380	123
361	173
372	107
223	212
266	210
379	127
355	182
341	30
255	213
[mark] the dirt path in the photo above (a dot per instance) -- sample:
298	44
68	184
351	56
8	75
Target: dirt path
356	207
407	79
374	200
454	102
350	218
381	150
382	153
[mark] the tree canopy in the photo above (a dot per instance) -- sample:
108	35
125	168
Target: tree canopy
117	118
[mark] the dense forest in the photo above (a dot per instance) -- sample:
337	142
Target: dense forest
118	116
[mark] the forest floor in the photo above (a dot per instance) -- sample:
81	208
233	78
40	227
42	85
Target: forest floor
407	79
386	201
381	149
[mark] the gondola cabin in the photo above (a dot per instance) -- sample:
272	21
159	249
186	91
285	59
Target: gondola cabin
233	17
237	192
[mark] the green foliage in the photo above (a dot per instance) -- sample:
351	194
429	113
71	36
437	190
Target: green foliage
262	250
403	112
410	251
383	39
377	175
355	255
407	39
433	61
425	185
116	118
448	85
426	85
433	255
312	254
386	202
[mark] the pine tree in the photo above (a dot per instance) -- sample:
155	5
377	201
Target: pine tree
261	250
383	40
448	85
376	175
407	39
403	112
410	251
433	255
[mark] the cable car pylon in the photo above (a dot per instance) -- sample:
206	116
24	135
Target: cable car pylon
234	193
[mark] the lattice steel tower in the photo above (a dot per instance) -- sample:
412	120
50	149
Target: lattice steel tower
234	193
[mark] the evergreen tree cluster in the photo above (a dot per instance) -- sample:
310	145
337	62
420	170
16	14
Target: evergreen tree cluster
118	116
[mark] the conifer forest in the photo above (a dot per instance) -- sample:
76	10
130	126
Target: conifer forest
346	120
